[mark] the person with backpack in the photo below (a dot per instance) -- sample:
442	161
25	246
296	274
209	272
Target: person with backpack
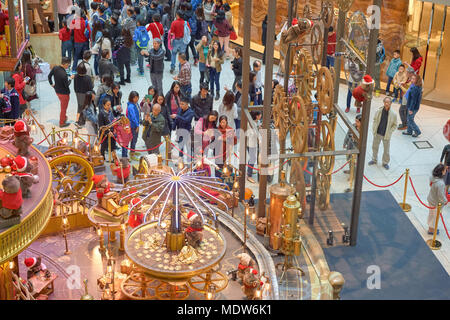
153	9
105	66
180	32
156	64
133	115
90	113
202	25
116	28
141	40
11	98
122	50
86	57
82	83
166	21
156	28
130	24
380	56
104	90
192	20
208	9
102	17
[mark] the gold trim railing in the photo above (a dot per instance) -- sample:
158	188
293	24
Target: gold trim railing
18	237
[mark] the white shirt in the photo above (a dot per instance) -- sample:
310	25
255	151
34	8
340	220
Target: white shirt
230	114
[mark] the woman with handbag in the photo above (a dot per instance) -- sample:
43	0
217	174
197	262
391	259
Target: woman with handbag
19	85
29	71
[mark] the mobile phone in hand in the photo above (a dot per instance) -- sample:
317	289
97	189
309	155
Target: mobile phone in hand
27	79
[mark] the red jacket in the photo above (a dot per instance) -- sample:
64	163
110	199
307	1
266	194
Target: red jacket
20	84
177	28
358	94
78	26
107	189
157	29
64	34
416	64
331	48
11	201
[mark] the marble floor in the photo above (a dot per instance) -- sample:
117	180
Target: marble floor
404	154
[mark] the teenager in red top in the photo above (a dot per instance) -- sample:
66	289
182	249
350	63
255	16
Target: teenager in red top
81	42
155	27
331	47
66	43
178	46
416	60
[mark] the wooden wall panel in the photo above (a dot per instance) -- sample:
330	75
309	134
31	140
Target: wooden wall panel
393	20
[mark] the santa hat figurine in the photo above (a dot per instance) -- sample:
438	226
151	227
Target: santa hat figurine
21	128
22	139
136	217
191	216
21	166
35	266
367	80
363	92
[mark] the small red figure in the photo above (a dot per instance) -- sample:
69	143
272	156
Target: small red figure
22	139
136	217
362	92
102	186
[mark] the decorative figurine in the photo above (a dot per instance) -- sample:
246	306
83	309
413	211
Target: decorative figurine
245	262
136	216
35	266
22	170
261	224
121	169
194	233
22	139
251	283
6	133
64	141
364	91
11	198
102	186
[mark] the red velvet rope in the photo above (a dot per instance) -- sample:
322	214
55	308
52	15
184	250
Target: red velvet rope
271	168
44	139
138	150
417	196
445	227
387	186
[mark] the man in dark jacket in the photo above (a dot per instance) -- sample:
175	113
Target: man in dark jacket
156	62
105	66
153	9
154	124
10	97
61	87
115	29
202	103
183	122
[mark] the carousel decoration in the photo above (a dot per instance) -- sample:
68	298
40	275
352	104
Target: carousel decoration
178	247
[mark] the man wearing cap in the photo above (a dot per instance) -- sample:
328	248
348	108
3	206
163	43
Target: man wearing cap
156	64
384	124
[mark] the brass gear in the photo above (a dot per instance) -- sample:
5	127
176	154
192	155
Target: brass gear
345	5
304	75
316	40
325	90
299	124
326	163
323	190
280	112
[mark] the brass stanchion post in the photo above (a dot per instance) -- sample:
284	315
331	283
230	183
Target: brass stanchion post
167	149
406	207
109	148
433	243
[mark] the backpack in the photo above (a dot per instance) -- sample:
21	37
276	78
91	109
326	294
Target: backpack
143	38
187	34
6	105
193	24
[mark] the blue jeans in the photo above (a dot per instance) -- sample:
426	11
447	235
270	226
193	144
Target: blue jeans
140	59
397	92
214	78
330	61
66	49
351	86
124	152
388	85
78	49
412	126
134	139
186	91
178	47
96	59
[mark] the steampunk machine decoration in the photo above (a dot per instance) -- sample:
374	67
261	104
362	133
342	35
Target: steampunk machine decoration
178	246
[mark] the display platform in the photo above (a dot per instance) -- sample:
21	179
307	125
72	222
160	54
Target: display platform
388	240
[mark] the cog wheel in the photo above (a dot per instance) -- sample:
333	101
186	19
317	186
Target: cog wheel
316	40
299	124
323	190
280	112
325	90
304	75
326	163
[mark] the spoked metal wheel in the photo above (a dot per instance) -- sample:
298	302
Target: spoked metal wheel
72	172
201	282
139	286
167	291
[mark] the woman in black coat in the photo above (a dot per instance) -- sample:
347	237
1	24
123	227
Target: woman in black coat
82	83
122	53
170	125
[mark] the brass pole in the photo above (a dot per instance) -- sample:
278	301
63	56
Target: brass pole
167	149
245	225
405	206
122	240
433	243
109	148
102	244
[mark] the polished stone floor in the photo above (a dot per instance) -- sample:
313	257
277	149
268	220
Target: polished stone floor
404	154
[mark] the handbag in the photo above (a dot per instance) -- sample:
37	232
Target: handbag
233	35
29	90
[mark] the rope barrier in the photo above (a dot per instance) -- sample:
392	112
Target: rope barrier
345	164
179	150
44	139
417	196
387	186
269	168
445	227
138	150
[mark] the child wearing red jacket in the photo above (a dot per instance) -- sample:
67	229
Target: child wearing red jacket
65	35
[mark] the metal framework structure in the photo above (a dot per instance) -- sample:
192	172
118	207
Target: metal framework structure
344	6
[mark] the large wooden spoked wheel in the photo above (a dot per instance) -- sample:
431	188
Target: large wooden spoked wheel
316	38
201	282
299	124
73	172
280	113
139	286
167	291
325	90
326	163
304	74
